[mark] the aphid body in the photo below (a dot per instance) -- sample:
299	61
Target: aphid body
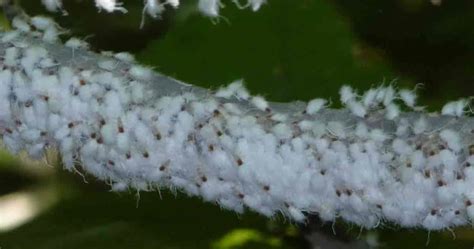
315	106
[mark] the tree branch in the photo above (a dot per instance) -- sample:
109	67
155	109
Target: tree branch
132	127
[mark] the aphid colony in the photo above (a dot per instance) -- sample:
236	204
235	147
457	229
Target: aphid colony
154	8
236	149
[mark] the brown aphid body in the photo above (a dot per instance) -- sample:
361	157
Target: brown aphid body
28	104
427	174
468	203
471	149
158	136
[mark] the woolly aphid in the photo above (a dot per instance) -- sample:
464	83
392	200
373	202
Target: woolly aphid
315	106
455	108
53	5
154	8
110	6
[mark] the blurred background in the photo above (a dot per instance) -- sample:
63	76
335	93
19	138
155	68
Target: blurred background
289	50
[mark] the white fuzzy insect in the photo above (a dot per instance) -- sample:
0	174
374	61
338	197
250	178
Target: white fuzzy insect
417	159
470	212
232	108
256	4
108	65
448	158
449	109
279	117
420	126
173	3
455	108
260	103
315	106
31	57
209	7
154	8
123	142
240	91
461	105
112	106
347	94
357	108
10	36
51	35
141	73
47	63
369	97
12	143
67	145
389	95
433	222
361	131
20	24
53	5
378	135
36	151
379	98
392	111
110	6
138	93
11	56
452	138
30	135
408	97
336	128
42	22
109	133
119	187
125	57
230	90
76	43
282	131
296	214
305	125
401	147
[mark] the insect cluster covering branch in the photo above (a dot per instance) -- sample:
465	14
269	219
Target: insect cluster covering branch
367	163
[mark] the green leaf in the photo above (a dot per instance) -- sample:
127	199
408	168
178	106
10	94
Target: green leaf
288	50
